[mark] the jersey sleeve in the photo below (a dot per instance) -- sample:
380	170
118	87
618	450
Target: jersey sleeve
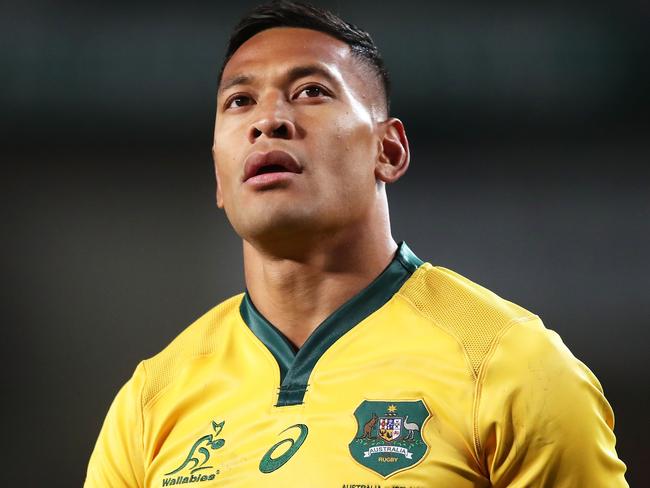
541	417
117	460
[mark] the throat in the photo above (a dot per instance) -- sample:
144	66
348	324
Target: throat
298	330
297	319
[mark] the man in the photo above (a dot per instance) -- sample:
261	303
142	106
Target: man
348	361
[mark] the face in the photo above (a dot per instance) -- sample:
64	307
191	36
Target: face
295	142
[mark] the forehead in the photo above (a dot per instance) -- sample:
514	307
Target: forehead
280	48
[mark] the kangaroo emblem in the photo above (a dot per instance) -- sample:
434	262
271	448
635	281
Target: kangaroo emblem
368	426
199	453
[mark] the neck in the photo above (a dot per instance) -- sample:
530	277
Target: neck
299	285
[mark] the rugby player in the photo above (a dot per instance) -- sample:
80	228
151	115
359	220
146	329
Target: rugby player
348	361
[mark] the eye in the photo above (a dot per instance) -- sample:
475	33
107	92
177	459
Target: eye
238	101
312	91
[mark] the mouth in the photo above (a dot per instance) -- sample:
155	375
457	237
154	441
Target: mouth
275	161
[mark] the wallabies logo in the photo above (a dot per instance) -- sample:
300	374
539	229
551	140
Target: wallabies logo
197	459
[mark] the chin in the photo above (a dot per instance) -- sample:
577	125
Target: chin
273	226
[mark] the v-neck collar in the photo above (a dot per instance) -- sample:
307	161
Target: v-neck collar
297	364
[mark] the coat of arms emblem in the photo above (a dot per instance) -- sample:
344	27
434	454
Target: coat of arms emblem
390	428
389	435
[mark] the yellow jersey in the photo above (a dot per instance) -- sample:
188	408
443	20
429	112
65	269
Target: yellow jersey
423	379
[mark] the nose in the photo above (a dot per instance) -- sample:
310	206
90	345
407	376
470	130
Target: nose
274	122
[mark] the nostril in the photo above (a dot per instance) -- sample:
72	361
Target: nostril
272	128
281	131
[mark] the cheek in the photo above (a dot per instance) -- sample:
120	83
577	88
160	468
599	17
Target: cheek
225	182
227	158
354	150
346	178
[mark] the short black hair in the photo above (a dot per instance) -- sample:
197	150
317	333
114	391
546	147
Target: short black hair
283	13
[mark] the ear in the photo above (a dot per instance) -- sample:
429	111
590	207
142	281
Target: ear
218	184
394	155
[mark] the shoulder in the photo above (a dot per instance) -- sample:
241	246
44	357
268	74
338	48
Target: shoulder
474	315
532	362
199	339
541	414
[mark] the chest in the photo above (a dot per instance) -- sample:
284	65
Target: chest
376	412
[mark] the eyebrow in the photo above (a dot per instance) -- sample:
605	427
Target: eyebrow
236	80
293	74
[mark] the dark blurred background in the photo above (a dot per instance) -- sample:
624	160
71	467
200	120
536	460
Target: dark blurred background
530	137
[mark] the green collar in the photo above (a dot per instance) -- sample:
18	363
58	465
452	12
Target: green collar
297	364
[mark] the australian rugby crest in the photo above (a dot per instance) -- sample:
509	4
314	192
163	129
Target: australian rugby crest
389	435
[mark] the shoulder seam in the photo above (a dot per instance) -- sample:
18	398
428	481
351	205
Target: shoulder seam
439	327
181	348
158	393
478	446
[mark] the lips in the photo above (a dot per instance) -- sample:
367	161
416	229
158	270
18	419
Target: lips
271	162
